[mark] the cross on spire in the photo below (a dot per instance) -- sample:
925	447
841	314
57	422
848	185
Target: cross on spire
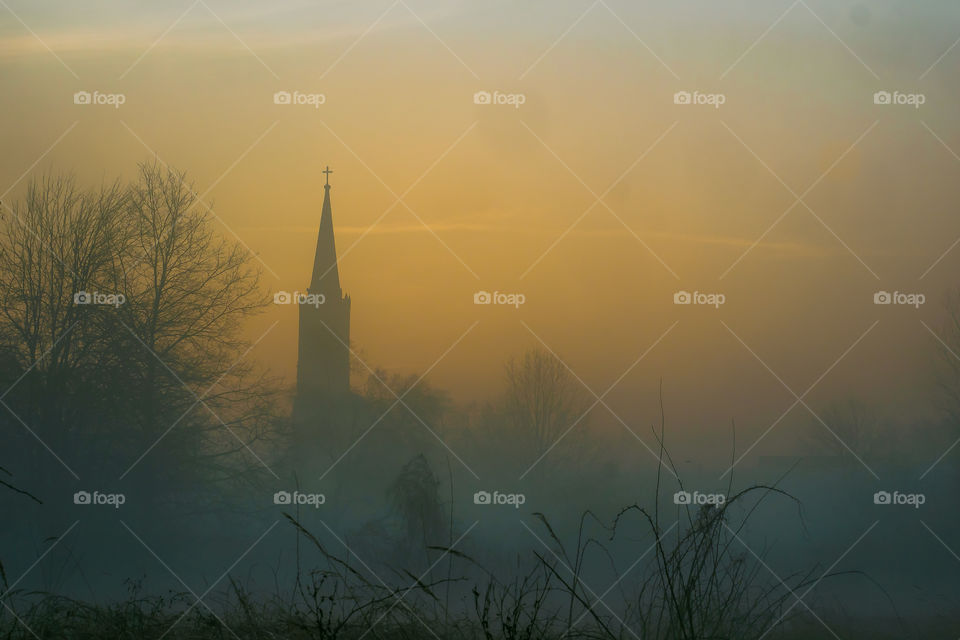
327	171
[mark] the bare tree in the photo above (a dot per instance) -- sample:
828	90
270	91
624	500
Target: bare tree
854	431
411	403
542	399
156	383
187	291
60	242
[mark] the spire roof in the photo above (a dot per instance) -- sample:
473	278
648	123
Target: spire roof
326	276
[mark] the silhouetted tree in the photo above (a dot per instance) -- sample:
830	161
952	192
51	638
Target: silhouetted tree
421	403
188	290
542	400
60	241
158	378
415	495
855	428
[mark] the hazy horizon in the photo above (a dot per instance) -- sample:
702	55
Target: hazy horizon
494	209
653	326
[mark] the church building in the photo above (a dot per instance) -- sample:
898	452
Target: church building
323	357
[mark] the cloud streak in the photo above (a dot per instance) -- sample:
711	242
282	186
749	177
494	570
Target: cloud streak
264	27
793	248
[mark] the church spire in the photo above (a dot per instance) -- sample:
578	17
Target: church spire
323	352
326	276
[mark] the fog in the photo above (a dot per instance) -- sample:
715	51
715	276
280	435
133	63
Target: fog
500	320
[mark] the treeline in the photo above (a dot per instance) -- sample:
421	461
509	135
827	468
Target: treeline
121	350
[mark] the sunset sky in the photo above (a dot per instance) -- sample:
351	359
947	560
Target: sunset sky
598	198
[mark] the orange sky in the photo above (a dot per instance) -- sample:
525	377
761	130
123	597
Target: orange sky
502	198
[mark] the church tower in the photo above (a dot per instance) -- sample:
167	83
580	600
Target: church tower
323	357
